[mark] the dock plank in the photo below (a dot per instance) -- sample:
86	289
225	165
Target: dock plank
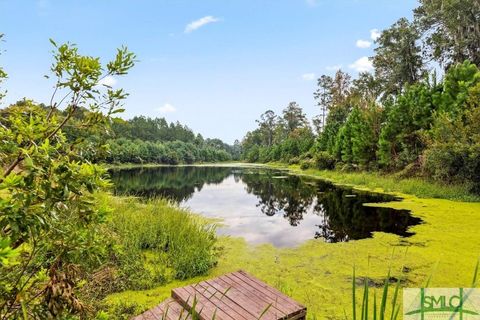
232	296
272	289
241	298
225	303
163	311
257	295
279	297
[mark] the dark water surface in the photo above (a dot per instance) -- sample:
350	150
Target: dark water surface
268	206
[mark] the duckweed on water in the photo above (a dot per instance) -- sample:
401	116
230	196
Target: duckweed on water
446	247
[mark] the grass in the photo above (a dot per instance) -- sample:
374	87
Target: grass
158	229
383	182
152	243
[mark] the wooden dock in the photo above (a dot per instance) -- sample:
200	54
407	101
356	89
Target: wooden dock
233	296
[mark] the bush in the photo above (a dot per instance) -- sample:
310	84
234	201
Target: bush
324	161
454	163
294	160
307	164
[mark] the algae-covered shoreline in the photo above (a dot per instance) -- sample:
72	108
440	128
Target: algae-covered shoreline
446	247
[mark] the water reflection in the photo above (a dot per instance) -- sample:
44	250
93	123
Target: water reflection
265	205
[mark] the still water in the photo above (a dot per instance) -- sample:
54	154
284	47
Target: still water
268	206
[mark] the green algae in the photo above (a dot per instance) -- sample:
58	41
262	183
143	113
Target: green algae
445	247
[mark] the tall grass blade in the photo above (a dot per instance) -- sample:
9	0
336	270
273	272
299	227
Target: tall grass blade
225	292
427	284
394	300
383	303
396	313
265	311
365	295
475	275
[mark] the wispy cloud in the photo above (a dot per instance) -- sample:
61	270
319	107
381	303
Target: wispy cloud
374	34
194	25
362	65
363	44
166	108
334	67
308	76
108	81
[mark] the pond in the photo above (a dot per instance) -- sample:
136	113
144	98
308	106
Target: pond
266	205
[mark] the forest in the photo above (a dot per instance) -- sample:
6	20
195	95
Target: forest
415	115
138	140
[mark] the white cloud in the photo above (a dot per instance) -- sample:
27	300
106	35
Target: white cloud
374	34
308	76
166	108
334	67
108	81
194	25
363	44
312	3
362	65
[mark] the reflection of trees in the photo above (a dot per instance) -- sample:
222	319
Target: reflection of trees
288	195
346	218
343	215
177	183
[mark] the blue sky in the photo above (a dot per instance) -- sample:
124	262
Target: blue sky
214	65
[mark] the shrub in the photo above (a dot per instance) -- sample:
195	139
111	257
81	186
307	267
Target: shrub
454	163
324	161
307	164
294	160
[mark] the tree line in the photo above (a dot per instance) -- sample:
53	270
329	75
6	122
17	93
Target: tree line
403	116
146	140
137	140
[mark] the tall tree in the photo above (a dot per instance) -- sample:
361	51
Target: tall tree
293	117
323	96
341	86
267	124
452	30
366	87
398	60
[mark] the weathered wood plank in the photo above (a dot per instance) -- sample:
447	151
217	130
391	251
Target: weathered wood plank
282	302
221	300
242	299
158	312
271	289
257	296
233	296
205	309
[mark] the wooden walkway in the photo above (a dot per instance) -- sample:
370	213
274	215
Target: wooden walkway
233	296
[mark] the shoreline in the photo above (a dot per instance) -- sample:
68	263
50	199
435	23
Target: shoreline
366	181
